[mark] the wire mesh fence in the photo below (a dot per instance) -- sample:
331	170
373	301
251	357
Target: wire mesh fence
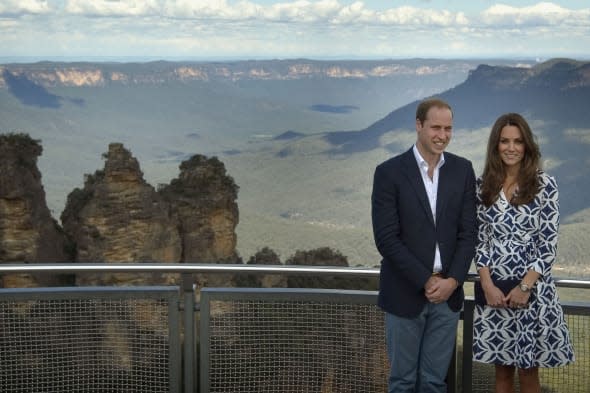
294	344
84	343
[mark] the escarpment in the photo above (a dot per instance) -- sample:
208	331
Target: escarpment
28	233
203	199
118	217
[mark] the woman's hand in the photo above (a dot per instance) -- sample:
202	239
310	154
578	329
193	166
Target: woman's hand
517	298
494	296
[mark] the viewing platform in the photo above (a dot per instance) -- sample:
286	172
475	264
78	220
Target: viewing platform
186	338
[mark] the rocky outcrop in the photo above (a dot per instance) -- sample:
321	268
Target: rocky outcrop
264	256
119	217
28	233
325	256
203	198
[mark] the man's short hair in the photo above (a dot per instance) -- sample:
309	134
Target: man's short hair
428	103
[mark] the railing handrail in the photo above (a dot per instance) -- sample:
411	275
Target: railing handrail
217	268
185	268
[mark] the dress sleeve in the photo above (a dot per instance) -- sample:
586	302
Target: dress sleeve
482	250
546	236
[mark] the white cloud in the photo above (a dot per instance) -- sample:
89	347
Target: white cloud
541	14
299	11
112	8
18	7
318	28
417	17
198	9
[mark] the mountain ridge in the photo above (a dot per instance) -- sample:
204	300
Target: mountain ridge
499	82
90	74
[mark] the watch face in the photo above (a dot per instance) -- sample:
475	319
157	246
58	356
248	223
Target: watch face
524	287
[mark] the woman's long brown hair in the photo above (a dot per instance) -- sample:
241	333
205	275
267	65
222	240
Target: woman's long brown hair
494	171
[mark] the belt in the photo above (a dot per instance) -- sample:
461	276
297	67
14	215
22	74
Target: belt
437	274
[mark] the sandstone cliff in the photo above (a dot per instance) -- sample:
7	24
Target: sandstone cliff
119	217
203	198
28	233
50	74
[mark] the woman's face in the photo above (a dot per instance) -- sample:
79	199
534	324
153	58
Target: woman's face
511	146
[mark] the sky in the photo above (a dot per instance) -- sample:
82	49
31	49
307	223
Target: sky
316	29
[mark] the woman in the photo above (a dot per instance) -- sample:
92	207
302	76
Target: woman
518	217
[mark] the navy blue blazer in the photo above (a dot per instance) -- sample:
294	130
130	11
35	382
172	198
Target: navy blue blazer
406	234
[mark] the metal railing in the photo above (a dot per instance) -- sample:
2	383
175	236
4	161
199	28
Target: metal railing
248	340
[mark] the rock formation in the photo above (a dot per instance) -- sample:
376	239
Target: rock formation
325	256
119	217
116	217
28	233
203	198
264	256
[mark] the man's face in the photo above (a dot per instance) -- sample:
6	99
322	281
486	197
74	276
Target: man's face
434	134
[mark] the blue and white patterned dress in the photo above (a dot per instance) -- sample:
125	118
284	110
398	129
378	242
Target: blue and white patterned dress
512	240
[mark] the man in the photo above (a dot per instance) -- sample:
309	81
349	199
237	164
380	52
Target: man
424	224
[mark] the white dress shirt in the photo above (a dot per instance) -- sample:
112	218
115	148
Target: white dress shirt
431	186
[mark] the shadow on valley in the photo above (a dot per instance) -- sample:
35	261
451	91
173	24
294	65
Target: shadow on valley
31	94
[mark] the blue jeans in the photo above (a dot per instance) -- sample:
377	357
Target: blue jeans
420	349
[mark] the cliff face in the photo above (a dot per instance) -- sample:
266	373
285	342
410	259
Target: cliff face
118	217
203	198
28	233
49	74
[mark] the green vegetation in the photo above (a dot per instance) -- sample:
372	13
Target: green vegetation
20	140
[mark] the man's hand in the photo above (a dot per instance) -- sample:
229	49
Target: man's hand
438	289
431	281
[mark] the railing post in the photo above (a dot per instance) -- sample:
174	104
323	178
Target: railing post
466	380
190	363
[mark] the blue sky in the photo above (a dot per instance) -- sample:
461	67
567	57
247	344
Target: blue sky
321	29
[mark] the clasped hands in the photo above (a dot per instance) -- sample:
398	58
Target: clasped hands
515	298
438	289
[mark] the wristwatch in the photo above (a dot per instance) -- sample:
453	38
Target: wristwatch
523	287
